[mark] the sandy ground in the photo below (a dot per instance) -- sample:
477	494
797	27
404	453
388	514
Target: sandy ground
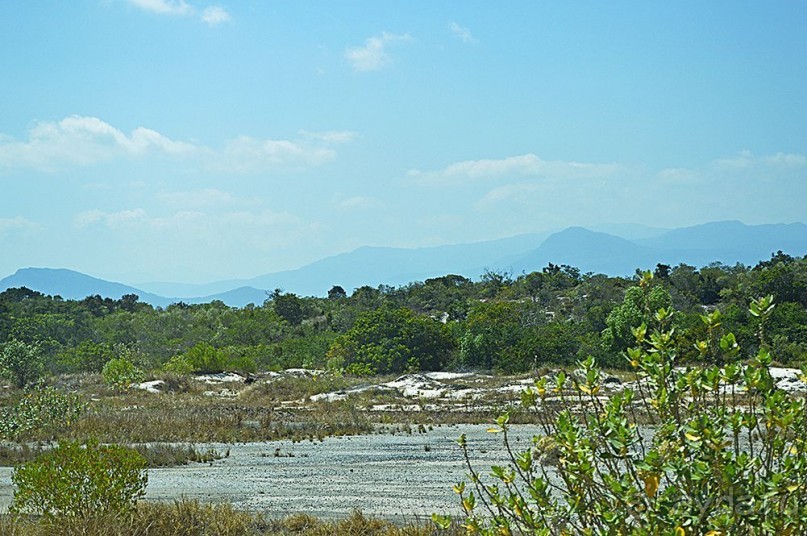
399	476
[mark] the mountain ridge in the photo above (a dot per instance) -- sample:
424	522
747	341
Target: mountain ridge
728	242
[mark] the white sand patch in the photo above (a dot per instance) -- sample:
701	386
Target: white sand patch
340	395
788	379
417	386
516	388
150	387
466	394
224	393
221	377
303	372
329	397
443	376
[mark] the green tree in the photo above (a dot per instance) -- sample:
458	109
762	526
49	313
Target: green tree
391	340
492	332
21	362
87	356
783	276
289	307
550	343
336	292
637	307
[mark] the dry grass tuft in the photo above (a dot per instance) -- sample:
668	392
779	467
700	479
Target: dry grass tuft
194	518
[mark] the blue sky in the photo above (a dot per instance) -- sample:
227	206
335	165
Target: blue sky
153	140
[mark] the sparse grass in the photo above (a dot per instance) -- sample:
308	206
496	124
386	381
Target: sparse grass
195	412
13	454
288	388
170	455
156	454
190	411
355	525
207	419
194	518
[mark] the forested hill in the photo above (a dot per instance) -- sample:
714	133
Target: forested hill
552	316
589	251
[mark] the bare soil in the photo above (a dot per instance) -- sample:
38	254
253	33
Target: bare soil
400	476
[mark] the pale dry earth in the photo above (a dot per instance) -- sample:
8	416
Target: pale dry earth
404	476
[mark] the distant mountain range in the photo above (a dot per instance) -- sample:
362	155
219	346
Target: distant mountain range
728	242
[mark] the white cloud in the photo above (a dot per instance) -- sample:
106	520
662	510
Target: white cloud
743	185
787	159
109	219
507	192
84	141
745	160
81	140
461	32
334	137
198	198
164	7
373	55
185	233
246	154
677	175
741	160
527	164
212	15
185	219
359	202
16	224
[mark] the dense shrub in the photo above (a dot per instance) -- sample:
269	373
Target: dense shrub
121	372
206	359
39	410
21	362
391	340
728	452
80	481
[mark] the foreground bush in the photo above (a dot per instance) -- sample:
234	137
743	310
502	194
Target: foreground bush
80	481
40	410
728	452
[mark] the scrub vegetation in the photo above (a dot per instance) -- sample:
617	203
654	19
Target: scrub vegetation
86	376
727	452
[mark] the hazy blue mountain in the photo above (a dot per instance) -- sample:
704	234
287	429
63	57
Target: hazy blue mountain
727	242
238	297
731	241
371	266
629	231
190	291
590	251
72	285
397	266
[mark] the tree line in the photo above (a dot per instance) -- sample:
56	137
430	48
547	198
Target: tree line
500	322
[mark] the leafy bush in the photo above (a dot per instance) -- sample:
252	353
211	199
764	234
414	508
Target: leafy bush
21	362
38	410
391	341
121	372
207	359
80	481
88	356
728	452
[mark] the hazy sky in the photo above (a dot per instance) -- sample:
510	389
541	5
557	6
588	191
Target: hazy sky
145	140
